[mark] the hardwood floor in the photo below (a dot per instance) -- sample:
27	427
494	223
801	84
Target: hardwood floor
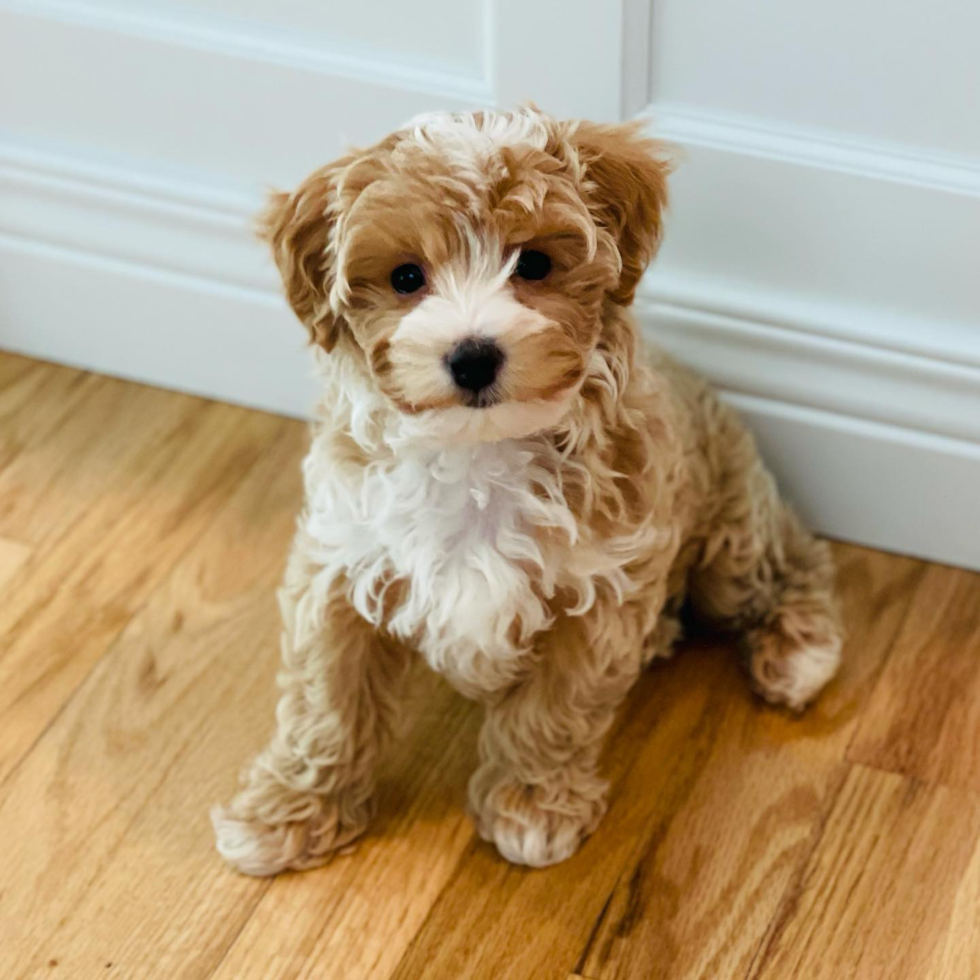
142	535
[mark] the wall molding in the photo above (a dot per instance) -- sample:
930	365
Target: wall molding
814	148
748	342
746	354
252	41
955	344
132	213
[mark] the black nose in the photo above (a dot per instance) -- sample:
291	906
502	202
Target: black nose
474	363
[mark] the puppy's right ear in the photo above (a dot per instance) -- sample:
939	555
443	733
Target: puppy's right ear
299	226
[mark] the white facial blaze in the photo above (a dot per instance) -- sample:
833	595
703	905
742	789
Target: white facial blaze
475	301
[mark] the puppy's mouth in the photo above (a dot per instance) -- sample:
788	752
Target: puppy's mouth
485	398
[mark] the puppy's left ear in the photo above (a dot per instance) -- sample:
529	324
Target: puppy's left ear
298	226
628	176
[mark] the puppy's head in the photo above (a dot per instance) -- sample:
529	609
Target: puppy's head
466	260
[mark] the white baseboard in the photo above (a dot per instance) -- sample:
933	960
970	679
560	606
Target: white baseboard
885	486
152	325
756	352
136	274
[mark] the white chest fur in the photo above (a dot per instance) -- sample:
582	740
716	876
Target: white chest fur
460	528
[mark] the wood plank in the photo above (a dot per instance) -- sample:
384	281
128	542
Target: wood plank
26	387
958	957
718	804
21	380
881	889
14	367
83	590
108	854
35	399
74	445
924	717
13	557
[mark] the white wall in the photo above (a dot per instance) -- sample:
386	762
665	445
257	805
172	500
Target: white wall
890	70
823	241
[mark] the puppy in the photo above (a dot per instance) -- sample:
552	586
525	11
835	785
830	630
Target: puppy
503	482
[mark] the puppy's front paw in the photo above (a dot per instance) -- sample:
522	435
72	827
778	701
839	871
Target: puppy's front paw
792	670
537	825
263	843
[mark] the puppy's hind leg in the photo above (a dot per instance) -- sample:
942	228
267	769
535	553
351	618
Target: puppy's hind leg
310	790
766	577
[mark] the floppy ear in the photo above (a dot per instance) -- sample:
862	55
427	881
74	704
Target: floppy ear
628	173
298	227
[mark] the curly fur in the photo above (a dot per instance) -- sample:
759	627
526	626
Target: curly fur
536	550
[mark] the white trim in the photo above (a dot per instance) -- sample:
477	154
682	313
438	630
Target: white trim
878	485
815	148
749	344
750	356
153	325
637	47
133	214
955	343
242	39
31	162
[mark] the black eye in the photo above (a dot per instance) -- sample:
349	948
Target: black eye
407	278
533	264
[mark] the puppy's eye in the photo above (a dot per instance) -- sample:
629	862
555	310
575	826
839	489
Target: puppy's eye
407	278
533	264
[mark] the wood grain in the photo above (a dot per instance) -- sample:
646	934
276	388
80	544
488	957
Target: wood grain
147	491
108	855
49	418
142	535
34	398
851	917
924	719
13	557
957	953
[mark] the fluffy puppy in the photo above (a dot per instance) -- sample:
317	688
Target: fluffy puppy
503	482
